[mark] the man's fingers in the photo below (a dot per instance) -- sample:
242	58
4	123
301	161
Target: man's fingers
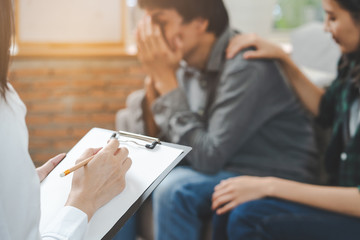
141	40
157	38
147	26
178	48
149	35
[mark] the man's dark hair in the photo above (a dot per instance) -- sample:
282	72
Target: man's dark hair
212	10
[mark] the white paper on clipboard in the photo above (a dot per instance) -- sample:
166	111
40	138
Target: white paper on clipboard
147	166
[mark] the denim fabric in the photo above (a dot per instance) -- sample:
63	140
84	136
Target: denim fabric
128	231
273	219
182	201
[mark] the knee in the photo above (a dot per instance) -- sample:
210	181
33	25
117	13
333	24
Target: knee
246	216
163	193
179	196
169	188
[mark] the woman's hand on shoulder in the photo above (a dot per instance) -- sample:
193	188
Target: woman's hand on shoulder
263	48
101	179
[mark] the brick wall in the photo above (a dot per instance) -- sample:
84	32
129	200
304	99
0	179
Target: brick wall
65	98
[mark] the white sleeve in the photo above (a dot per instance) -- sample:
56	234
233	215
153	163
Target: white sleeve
70	224
4	229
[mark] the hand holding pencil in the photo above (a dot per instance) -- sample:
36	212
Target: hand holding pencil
84	162
77	166
100	178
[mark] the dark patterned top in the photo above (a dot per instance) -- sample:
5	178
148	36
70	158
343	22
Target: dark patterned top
342	158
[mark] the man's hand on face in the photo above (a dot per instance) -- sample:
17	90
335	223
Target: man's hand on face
158	59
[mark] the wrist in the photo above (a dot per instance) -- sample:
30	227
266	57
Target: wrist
166	83
82	204
284	57
269	189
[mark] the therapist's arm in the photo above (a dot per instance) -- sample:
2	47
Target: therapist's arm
101	179
92	187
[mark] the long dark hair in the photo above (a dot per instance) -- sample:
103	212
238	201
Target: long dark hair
353	7
6	33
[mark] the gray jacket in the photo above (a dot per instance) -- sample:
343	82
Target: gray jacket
238	115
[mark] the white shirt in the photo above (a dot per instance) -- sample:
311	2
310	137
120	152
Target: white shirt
354	117
20	186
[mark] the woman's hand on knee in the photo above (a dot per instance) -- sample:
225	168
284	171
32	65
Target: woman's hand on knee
232	192
101	179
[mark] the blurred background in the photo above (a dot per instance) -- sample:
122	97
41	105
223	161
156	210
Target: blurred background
74	62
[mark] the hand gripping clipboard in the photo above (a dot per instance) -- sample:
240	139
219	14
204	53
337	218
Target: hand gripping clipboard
152	162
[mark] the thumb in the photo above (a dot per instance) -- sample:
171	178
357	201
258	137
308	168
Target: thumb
252	54
47	167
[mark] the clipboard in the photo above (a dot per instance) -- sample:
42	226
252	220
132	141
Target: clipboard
150	166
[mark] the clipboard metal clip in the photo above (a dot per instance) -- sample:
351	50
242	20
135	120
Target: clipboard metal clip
152	141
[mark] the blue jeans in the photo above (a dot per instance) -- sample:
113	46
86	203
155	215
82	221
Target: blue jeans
182	202
128	231
274	219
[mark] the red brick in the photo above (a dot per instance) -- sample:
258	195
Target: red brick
28	95
71	119
48	107
38	119
64	102
88	106
65	145
50	133
18	73
36	144
103	118
87	83
78	133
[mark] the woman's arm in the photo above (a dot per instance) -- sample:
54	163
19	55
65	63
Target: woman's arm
345	200
308	93
235	191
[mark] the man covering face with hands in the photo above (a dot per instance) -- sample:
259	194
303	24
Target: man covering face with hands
224	109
